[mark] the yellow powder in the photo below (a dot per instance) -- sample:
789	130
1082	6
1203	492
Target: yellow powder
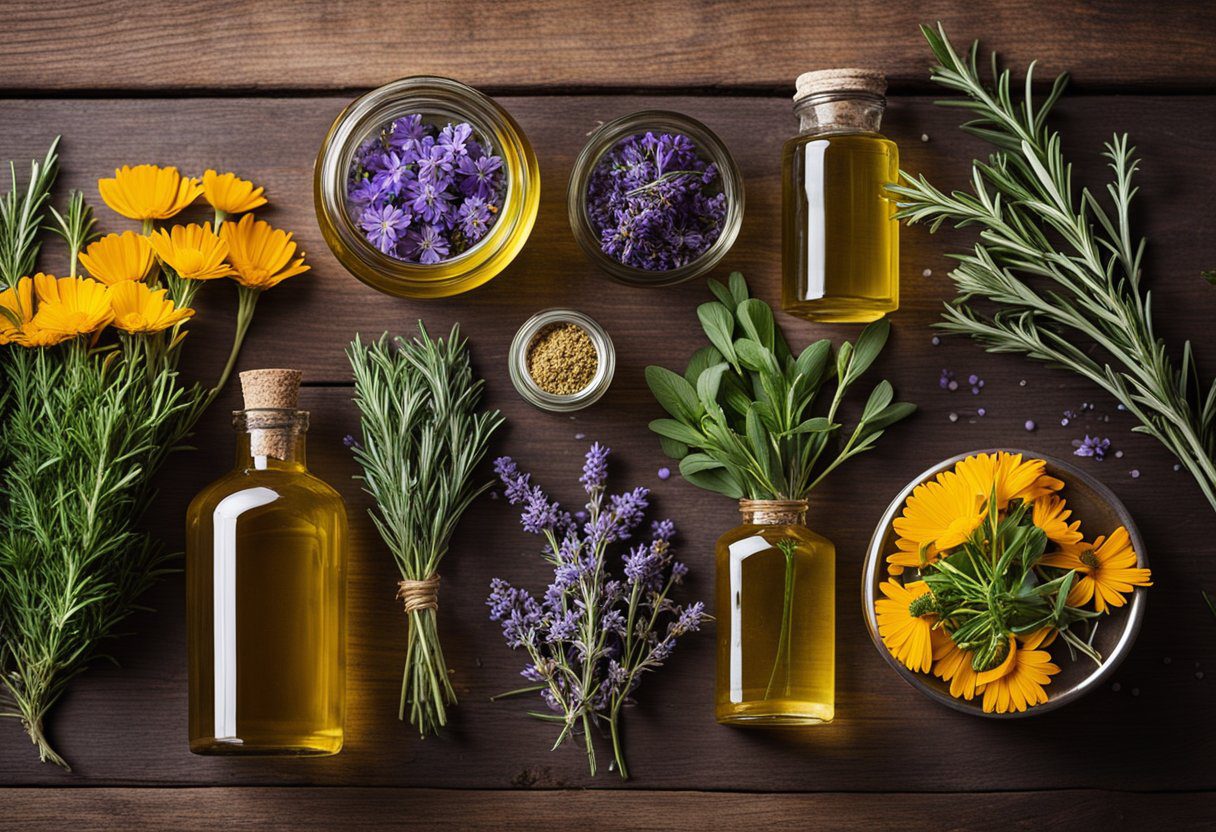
562	360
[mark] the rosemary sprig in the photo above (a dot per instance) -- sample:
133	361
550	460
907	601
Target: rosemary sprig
21	218
1062	267
422	439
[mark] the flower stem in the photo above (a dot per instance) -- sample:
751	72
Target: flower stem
783	644
247	301
617	752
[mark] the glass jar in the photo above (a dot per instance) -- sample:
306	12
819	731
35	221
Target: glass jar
440	101
840	238
517	360
265	582
708	146
776	591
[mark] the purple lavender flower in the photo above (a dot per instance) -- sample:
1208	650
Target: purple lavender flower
592	636
651	200
430	173
384	225
1091	446
595	468
426	245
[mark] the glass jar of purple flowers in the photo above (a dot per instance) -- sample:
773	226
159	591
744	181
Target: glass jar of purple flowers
655	198
426	188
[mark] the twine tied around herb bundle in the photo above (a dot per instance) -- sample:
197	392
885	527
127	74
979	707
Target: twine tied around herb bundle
419	595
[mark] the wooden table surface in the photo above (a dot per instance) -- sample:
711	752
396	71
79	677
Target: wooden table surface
252	86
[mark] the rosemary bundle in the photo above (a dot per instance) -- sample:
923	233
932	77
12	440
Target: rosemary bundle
91	405
422	438
1062	266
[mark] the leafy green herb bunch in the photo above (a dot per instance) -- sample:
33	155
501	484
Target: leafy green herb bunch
742	417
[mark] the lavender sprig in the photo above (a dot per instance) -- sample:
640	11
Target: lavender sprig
591	636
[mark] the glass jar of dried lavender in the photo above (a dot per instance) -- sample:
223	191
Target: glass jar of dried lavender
425	188
655	198
561	360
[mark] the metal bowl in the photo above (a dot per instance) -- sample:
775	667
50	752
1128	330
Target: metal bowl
1100	512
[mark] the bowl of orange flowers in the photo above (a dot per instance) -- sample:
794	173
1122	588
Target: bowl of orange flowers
1005	584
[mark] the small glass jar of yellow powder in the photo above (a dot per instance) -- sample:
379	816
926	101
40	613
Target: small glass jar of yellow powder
561	360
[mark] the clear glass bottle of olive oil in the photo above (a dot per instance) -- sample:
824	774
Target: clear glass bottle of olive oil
776	609
840	238
265	575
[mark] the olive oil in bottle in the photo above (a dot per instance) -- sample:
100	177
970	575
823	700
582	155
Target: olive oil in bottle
776	610
839	239
265	576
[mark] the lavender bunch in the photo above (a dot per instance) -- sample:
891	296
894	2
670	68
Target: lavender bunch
591	636
652	200
424	194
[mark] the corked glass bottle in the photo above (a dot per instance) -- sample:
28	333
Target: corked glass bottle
265	581
840	238
776	610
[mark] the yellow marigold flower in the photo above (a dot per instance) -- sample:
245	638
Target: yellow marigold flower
16	311
148	192
1106	570
116	258
194	251
905	623
952	664
260	255
228	193
1017	682
937	516
140	309
71	305
1051	515
1013	478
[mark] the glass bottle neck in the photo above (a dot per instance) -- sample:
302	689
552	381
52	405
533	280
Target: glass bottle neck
845	112
270	439
773	512
279	450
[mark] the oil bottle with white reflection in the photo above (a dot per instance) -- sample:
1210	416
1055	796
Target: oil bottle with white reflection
265	577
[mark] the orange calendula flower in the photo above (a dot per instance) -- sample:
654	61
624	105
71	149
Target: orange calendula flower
140	309
1012	477
952	664
905	623
116	258
230	194
16	311
71	305
1017	682
194	251
148	192
1106	570
1051	515
938	515
261	256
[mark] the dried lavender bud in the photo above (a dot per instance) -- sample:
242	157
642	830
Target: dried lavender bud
656	204
1030	425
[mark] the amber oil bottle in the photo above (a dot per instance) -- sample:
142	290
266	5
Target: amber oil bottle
840	239
265	577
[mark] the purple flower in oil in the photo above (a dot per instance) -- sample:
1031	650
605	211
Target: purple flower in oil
365	191
406	132
429	203
454	139
1091	446
481	176
474	217
434	166
384	225
427	245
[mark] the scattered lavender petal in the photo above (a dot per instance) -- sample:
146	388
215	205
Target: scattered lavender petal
664	473
1030	425
981	412
953	417
1135	472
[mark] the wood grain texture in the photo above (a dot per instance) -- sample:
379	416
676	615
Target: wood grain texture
255	809
126	727
320	44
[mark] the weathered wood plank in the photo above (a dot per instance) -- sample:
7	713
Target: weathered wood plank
558	44
127	727
137	810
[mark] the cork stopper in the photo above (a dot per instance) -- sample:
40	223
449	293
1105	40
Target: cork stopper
271	392
773	512
271	388
865	81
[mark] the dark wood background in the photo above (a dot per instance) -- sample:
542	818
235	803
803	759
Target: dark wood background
252	86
